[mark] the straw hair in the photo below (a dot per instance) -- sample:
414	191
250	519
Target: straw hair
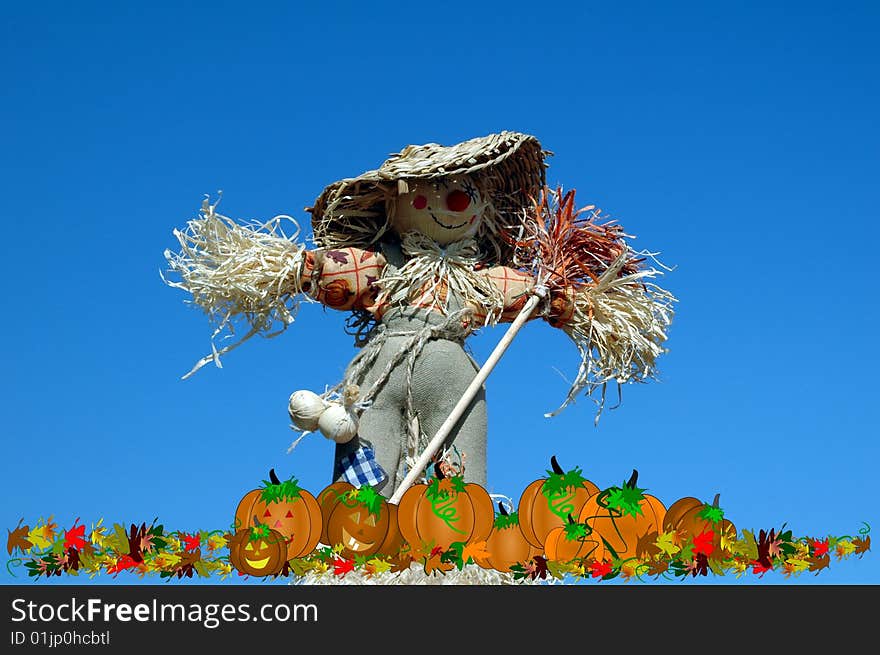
508	168
236	273
618	318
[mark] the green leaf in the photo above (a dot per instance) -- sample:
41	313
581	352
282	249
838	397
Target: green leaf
505	521
576	531
285	492
711	513
747	546
370	499
626	500
558	483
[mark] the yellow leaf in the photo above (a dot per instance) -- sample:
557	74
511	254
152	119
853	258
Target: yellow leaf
98	532
216	541
844	548
35	536
666	543
796	565
379	565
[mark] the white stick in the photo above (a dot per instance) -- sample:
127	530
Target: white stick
468	396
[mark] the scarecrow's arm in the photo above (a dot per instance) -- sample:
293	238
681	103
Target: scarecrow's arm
516	286
342	278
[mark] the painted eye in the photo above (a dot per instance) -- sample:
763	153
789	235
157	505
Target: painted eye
457	201
420	202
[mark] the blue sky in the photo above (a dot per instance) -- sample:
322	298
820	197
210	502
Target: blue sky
741	142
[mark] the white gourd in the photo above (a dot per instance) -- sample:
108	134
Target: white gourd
305	408
338	424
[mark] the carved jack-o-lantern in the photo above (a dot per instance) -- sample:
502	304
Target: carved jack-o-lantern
258	551
360	520
284	507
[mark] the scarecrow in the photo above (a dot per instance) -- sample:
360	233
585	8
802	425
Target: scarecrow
436	243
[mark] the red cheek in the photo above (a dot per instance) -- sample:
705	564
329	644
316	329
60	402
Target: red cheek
420	202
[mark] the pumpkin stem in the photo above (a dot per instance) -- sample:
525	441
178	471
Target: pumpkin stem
571	519
273	478
631	483
715	502
555	466
437	472
501	509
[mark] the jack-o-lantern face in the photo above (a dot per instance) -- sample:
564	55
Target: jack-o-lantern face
360	521
284	507
258	552
446	209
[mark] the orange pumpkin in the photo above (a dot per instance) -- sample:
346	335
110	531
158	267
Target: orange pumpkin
360	520
546	503
618	517
693	517
506	544
444	512
286	508
569	542
258	551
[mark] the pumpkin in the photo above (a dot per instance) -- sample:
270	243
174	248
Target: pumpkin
444	512
258	551
618	517
692	517
360	520
506	544
546	503
284	507
569	542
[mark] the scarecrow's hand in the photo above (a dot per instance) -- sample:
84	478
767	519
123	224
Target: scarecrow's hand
515	287
561	306
343	278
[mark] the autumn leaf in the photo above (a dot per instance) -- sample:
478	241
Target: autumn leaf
98	532
819	563
41	536
600	569
711	513
747	546
378	565
703	543
862	546
646	546
473	551
844	547
666	544
820	547
794	566
342	566
75	536
435	563
216	541
760	568
658	568
190	542
18	539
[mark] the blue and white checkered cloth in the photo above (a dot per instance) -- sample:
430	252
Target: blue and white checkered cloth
360	467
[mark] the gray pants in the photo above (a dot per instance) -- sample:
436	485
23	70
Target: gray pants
441	373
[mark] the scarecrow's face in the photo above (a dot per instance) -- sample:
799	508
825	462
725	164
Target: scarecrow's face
446	209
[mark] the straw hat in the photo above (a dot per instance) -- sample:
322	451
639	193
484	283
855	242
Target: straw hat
508	166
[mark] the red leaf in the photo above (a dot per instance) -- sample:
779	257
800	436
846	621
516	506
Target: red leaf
703	543
760	568
820	547
600	569
75	537
343	566
124	562
190	543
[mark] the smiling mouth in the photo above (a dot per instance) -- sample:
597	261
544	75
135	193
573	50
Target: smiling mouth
257	563
353	544
444	225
